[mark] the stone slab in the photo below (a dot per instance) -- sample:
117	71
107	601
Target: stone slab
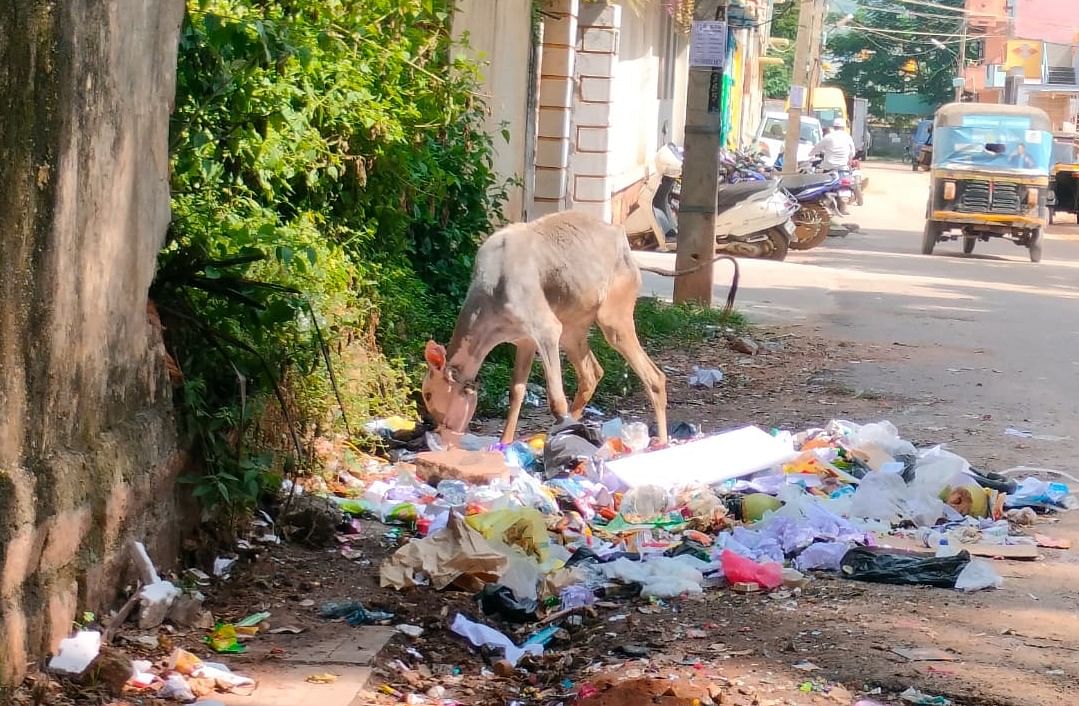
283	682
473	467
286	685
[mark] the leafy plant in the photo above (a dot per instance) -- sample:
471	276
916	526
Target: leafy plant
331	180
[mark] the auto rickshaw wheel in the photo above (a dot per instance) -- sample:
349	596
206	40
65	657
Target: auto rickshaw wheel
968	244
1036	246
930	235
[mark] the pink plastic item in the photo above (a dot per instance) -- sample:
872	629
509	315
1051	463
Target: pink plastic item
738	569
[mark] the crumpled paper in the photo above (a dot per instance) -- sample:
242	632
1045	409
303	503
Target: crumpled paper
457	554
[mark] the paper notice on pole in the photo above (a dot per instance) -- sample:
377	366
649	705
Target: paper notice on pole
711	460
708	44
798	96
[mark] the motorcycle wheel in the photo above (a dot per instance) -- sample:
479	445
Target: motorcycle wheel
777	244
811	224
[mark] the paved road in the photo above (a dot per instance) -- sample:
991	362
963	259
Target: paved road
986	334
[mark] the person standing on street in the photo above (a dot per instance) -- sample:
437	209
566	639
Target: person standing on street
837	150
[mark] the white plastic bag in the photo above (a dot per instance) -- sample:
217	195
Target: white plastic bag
937	469
885	497
978	575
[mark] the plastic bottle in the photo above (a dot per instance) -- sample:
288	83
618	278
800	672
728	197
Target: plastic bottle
455	492
944	548
644	502
636	436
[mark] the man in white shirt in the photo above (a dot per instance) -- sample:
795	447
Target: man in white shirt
837	147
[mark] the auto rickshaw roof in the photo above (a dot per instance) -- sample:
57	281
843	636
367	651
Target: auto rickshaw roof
952	114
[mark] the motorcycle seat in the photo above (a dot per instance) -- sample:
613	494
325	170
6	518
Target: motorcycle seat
798	182
731	194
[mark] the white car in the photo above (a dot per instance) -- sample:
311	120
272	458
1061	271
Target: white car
772	136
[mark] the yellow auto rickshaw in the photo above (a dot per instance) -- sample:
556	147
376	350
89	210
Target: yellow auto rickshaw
989	177
1064	176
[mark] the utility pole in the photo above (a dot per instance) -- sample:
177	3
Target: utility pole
700	171
803	52
816	46
962	68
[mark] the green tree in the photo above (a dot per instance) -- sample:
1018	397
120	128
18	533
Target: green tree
777	78
332	179
889	48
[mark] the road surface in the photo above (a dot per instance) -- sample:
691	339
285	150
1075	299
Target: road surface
981	344
986	334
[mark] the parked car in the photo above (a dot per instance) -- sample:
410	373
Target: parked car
772	137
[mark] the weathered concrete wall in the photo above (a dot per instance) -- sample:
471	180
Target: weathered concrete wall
87	446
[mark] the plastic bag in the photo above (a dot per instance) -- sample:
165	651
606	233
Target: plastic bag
496	599
738	569
938	469
480	635
353	612
884	496
522	528
567	444
1033	492
826	556
978	575
879	565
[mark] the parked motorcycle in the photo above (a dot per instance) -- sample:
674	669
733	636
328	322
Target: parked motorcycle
816	195
753	219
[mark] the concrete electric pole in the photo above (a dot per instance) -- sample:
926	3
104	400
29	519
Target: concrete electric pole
803	53
961	76
700	170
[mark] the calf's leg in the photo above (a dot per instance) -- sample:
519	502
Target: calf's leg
616	321
522	366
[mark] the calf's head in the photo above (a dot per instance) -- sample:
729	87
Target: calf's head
450	401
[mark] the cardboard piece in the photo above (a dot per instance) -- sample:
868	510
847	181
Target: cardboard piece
711	460
1048	542
1019	552
925	654
472	467
455	554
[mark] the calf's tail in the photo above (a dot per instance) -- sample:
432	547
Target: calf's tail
731	293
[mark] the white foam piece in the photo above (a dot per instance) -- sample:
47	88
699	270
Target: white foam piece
710	460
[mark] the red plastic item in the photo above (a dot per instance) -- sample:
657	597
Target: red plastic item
738	569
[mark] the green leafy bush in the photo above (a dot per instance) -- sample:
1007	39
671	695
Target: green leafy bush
331	181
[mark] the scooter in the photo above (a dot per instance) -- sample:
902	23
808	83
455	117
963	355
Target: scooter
815	194
753	219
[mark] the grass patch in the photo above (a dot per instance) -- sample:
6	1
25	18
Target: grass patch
661	326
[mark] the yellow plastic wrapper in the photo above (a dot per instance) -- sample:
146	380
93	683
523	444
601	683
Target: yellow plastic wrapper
225	640
523	528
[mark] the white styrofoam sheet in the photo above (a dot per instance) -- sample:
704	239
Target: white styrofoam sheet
710	460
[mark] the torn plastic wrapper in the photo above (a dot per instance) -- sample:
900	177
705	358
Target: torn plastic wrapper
480	635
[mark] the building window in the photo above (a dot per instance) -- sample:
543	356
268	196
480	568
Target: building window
668	55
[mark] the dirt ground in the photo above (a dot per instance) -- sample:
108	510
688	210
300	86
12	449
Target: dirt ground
827	643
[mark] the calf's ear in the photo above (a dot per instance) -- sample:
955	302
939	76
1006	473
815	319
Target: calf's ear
436	355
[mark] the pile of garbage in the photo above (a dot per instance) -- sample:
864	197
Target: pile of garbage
554	522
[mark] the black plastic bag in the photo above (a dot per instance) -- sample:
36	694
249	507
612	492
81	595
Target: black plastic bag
880	565
496	598
568	443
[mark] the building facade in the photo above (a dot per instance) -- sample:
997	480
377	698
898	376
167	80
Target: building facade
588	91
1037	42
